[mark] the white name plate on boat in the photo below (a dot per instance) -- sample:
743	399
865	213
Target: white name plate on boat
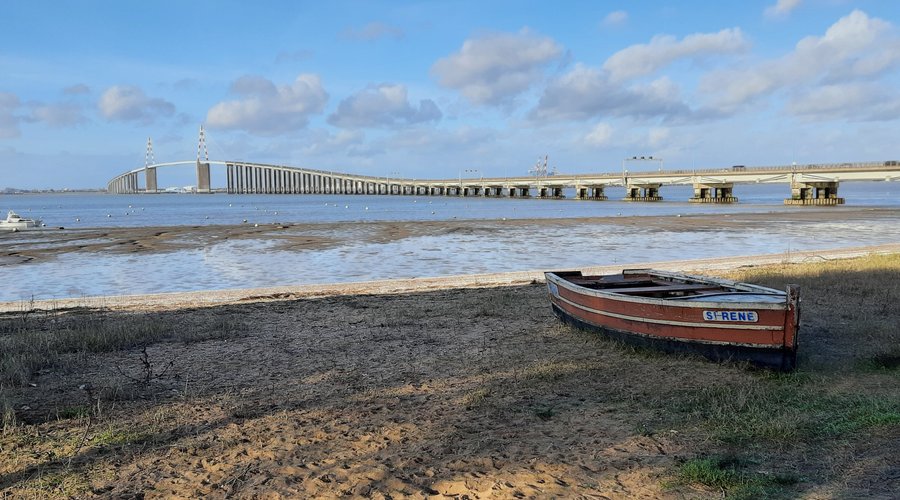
731	316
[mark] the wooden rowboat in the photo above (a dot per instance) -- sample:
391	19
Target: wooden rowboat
720	319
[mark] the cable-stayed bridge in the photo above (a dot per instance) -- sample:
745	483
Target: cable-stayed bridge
813	184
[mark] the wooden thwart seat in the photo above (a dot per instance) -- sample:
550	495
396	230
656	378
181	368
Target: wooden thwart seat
668	288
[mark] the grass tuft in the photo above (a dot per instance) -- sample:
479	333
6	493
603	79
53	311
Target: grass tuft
886	361
711	472
476	397
73	412
44	341
784	409
729	475
115	437
544	413
8	420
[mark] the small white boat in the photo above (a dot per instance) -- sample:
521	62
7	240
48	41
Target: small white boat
15	222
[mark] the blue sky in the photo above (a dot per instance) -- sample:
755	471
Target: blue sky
425	89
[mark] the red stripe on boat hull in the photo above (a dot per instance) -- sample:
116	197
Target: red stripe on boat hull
645	325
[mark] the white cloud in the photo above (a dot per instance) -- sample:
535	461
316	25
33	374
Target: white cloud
600	135
265	108
58	115
384	105
496	68
644	59
855	47
350	143
373	31
13	112
862	101
130	103
586	93
294	56
9	122
437	142
658	136
77	89
781	9
615	18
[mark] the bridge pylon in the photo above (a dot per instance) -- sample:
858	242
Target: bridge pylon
150	172
202	166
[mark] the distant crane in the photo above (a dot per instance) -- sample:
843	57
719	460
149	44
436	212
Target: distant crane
541	169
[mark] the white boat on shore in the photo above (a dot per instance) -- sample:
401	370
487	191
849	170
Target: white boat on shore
15	222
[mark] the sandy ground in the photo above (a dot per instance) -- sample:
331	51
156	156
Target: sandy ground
465	387
351	396
462	386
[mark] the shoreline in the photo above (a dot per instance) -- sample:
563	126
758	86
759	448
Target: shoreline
210	298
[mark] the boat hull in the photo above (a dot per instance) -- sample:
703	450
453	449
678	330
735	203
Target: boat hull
19	226
761	332
14	222
774	358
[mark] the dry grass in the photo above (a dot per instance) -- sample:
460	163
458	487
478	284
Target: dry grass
850	313
39	340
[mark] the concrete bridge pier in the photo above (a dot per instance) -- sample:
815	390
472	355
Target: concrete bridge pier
150	180
590	193
713	193
642	192
814	193
550	192
202	177
127	184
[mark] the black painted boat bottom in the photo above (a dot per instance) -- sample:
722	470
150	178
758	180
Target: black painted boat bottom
776	358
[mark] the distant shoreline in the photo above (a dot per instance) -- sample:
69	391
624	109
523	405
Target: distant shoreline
15	191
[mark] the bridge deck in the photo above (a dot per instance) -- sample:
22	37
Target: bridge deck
259	178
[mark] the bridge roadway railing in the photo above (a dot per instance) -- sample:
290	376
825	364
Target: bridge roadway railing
264	178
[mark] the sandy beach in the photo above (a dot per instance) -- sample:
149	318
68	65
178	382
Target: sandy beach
465	387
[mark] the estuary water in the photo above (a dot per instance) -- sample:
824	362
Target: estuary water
486	244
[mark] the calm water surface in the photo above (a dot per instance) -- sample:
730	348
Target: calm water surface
257	263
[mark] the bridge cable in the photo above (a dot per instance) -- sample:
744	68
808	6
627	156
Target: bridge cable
201	147
148	157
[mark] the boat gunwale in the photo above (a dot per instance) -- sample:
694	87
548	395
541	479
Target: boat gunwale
558	280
